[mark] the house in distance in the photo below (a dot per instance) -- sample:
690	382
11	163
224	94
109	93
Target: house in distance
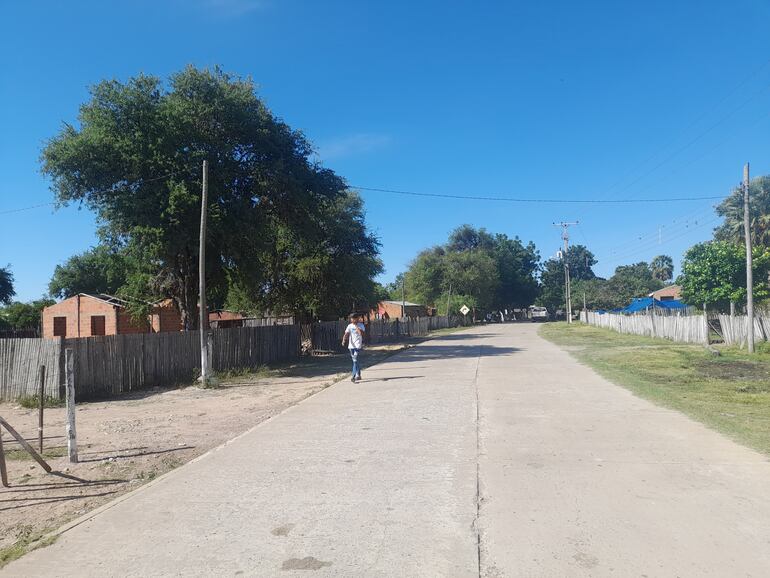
91	315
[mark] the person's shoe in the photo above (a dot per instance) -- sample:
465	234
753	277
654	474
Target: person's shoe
353	379
358	377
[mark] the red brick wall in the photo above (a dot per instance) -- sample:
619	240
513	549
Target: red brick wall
69	309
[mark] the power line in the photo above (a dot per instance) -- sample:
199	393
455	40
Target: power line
150	180
684	131
535	200
26	208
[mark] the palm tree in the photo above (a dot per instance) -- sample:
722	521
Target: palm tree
6	285
662	268
759	214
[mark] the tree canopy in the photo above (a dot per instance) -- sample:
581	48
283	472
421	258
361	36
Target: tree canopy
485	271
98	270
731	209
662	268
715	273
17	315
6	285
135	159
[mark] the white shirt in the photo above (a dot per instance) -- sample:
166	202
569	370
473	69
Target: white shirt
355	333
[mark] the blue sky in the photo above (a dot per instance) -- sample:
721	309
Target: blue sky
542	100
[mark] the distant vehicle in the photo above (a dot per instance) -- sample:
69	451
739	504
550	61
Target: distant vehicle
538	314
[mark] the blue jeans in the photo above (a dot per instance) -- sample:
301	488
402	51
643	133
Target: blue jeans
356	364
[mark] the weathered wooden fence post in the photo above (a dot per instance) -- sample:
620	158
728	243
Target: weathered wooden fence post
72	442
3	470
42	406
706	325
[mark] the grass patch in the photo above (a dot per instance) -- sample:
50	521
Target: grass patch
27	540
261	372
48	453
33	402
729	392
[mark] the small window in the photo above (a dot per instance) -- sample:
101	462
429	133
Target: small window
97	324
60	327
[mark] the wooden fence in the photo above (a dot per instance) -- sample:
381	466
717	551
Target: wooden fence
20	361
327	336
734	329
120	363
683	329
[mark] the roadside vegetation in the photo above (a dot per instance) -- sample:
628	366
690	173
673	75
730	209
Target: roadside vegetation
729	392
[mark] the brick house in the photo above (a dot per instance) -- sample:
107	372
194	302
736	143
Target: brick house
86	315
224	319
670	293
398	309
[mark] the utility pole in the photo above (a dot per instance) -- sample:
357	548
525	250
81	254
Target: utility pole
202	309
403	297
448	300
749	263
565	237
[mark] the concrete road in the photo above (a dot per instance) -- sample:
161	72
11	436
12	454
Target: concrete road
489	452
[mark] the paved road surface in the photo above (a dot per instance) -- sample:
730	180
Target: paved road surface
489	452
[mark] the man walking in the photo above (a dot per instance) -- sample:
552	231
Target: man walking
354	336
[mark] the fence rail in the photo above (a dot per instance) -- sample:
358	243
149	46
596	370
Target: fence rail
683	329
121	363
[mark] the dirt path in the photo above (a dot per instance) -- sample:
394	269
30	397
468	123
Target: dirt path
133	439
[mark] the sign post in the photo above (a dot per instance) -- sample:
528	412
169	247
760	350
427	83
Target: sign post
464	310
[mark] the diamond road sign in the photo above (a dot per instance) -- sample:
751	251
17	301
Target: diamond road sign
464	310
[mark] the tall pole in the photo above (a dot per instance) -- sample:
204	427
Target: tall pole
749	264
202	310
403	297
567	289
448	300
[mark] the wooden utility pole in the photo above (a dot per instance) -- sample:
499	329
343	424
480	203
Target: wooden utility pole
567	289
202	309
448	300
403	297
72	436
41	409
749	264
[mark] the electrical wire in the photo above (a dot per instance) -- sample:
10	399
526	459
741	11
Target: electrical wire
150	180
536	200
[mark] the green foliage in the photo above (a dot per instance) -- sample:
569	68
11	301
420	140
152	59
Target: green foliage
581	262
627	282
6	285
98	270
662	268
17	315
715	273
273	213
488	271
631	281
731	209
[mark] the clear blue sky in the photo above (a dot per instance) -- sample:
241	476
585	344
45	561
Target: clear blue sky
555	99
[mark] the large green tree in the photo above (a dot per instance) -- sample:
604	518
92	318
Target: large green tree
98	270
488	272
630	281
581	262
6	285
715	273
135	158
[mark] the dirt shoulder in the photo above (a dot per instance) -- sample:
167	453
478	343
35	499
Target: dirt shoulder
127	441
